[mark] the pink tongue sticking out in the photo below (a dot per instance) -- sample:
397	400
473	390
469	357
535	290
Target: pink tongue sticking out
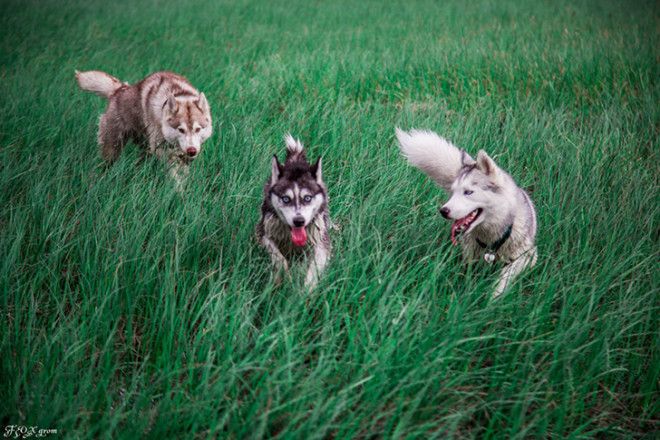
299	236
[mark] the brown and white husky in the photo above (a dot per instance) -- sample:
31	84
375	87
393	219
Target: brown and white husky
163	111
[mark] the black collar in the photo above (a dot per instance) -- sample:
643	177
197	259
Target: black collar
493	248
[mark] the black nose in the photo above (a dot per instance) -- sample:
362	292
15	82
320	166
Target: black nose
444	211
298	221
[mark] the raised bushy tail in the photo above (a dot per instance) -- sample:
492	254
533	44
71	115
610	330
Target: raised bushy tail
294	148
435	156
98	82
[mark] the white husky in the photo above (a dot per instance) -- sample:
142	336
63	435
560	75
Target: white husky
495	217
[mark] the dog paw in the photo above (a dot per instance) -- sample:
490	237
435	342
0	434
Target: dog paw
311	281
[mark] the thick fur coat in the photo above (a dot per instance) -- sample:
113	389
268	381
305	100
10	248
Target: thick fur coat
494	218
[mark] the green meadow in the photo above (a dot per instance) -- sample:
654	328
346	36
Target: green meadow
130	310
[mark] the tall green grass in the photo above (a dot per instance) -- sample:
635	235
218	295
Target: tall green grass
131	310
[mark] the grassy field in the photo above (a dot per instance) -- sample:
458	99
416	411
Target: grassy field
130	310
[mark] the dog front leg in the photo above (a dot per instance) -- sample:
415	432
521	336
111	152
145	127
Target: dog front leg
179	172
154	140
513	269
279	261
317	265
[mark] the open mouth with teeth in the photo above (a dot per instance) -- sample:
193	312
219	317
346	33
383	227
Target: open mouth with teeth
461	225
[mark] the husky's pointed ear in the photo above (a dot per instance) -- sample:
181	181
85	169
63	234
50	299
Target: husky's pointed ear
486	165
466	159
317	171
202	103
275	170
172	105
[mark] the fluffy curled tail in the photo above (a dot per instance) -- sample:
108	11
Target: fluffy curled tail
98	82
433	155
294	148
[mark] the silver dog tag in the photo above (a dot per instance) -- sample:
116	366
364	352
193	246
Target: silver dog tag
489	257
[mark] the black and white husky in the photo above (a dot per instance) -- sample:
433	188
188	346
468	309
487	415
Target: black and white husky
494	216
294	213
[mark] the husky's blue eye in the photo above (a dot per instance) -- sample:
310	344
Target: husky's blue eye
467	192
286	200
307	198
